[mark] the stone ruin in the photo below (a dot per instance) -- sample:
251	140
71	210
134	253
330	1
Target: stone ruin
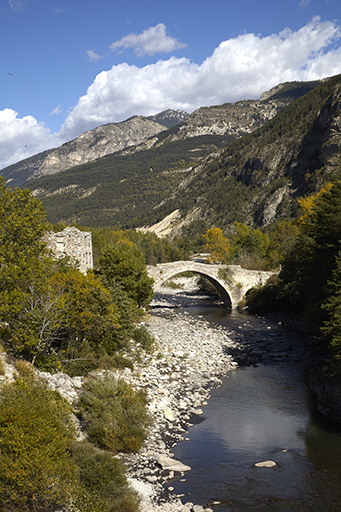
74	243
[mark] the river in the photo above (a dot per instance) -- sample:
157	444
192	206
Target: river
262	411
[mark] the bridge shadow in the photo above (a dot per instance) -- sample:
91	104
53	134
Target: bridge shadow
175	299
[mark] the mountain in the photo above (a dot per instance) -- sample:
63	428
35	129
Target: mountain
138	132
169	117
247	161
89	146
258	178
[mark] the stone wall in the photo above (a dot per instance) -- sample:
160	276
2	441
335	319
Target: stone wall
74	243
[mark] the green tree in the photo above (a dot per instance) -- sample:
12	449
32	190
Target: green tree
125	264
217	244
250	247
309	266
332	326
22	251
283	236
36	432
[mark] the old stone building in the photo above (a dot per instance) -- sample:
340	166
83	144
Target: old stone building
74	243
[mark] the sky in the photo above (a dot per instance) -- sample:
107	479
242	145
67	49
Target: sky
69	66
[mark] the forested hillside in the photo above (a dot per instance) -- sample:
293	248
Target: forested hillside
142	184
258	178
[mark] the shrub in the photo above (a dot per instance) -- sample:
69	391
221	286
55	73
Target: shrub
264	299
36	431
144	337
115	413
103	482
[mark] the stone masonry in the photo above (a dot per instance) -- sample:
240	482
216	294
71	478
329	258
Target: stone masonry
231	281
74	243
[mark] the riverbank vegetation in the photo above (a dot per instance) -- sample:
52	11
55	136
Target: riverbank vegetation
44	468
58	319
309	281
54	318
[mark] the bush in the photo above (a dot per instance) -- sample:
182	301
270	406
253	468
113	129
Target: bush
36	431
144	337
115	414
103	482
264	299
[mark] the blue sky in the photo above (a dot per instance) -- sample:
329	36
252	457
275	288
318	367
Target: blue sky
68	66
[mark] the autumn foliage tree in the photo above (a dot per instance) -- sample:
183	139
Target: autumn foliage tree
217	244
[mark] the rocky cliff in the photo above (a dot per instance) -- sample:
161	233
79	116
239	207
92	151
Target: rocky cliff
258	178
137	133
89	146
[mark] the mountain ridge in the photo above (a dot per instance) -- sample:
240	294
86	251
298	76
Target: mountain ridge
294	154
209	179
138	132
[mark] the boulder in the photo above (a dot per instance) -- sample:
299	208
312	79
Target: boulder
172	465
265	464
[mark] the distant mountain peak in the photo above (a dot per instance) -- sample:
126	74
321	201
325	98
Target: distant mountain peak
169	117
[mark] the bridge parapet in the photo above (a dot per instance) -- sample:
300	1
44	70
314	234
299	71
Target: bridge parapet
232	281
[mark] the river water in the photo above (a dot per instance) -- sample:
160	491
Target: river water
262	411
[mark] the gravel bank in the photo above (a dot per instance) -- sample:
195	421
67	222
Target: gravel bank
192	357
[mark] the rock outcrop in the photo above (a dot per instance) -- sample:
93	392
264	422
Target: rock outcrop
230	119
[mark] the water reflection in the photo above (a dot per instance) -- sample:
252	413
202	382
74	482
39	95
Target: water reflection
261	413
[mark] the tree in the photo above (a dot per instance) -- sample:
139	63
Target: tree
309	266
332	326
36	432
283	236
125	264
308	204
250	246
217	244
22	251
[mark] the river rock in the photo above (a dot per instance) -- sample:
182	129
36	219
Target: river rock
199	412
265	464
168	414
172	465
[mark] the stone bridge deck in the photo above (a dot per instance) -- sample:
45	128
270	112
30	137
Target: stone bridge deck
231	281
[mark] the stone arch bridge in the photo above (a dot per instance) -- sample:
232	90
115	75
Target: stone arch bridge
231	281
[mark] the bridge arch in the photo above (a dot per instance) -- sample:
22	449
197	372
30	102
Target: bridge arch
232	284
224	293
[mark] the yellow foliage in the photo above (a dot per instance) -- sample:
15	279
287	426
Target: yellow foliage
218	245
307	205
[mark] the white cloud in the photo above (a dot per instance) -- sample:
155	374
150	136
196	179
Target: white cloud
240	68
56	111
93	56
57	10
17	5
21	137
150	41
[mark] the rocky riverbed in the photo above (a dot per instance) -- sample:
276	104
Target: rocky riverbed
192	356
